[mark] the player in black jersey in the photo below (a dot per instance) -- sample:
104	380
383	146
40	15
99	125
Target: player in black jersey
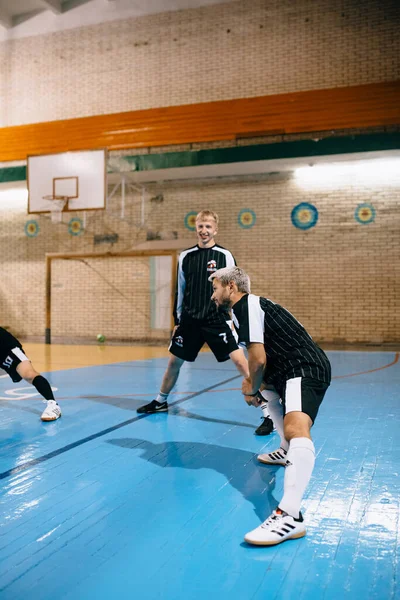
18	366
197	319
281	353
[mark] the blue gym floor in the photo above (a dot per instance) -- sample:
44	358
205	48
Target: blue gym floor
107	504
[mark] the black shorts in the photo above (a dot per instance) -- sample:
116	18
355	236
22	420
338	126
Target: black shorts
192	334
10	359
302	394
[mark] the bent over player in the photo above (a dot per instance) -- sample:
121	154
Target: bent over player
18	366
197	319
300	373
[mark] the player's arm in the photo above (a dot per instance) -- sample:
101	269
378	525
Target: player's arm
229	260
251	333
179	292
257	361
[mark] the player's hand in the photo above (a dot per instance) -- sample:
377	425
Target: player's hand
247	387
174	330
253	401
246	391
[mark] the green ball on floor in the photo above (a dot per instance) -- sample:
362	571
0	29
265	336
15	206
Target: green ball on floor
101	338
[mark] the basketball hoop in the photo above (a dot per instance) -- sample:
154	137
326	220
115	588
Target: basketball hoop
58	204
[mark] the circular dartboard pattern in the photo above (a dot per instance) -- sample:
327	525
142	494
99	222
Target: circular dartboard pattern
365	213
31	228
190	220
75	226
304	216
247	218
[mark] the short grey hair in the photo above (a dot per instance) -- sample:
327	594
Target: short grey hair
234	274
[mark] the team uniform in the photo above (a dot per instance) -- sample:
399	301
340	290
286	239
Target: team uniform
296	366
301	373
198	319
11	354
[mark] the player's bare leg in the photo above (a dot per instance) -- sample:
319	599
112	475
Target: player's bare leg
160	404
240	361
171	374
27	372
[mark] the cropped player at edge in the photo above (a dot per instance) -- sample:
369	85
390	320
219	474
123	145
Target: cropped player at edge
300	374
197	319
18	366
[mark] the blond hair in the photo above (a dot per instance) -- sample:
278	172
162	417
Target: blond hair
207	214
235	274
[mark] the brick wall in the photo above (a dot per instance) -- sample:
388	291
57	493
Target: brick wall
240	49
340	278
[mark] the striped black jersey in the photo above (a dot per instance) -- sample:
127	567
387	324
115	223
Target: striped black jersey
291	351
193	290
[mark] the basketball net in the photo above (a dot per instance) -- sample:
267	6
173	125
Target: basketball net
58	204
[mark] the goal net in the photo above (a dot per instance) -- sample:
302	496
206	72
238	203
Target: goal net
126	297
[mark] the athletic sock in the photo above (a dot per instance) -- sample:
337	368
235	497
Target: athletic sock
162	397
43	387
265	409
298	471
276	413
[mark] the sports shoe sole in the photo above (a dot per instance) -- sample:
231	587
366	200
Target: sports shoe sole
261	433
152	412
296	536
265	461
48	419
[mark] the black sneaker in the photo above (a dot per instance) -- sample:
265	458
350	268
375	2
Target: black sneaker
153	407
266	427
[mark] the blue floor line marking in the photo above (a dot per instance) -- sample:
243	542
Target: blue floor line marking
46	457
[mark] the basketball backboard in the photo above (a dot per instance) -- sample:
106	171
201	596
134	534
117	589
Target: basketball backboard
78	176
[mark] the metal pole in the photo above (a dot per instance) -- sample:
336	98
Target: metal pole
111	194
122	197
143	206
47	333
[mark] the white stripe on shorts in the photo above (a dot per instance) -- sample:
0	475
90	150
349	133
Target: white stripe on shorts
19	354
293	395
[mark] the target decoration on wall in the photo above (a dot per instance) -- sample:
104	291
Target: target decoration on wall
31	228
75	226
365	213
304	215
190	220
247	218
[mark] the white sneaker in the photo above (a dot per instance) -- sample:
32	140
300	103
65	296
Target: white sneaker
277	457
278	528
51	412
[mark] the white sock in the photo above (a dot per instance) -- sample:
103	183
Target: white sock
301	459
162	397
276	414
265	409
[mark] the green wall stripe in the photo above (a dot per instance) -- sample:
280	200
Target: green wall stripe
327	146
193	158
13	174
